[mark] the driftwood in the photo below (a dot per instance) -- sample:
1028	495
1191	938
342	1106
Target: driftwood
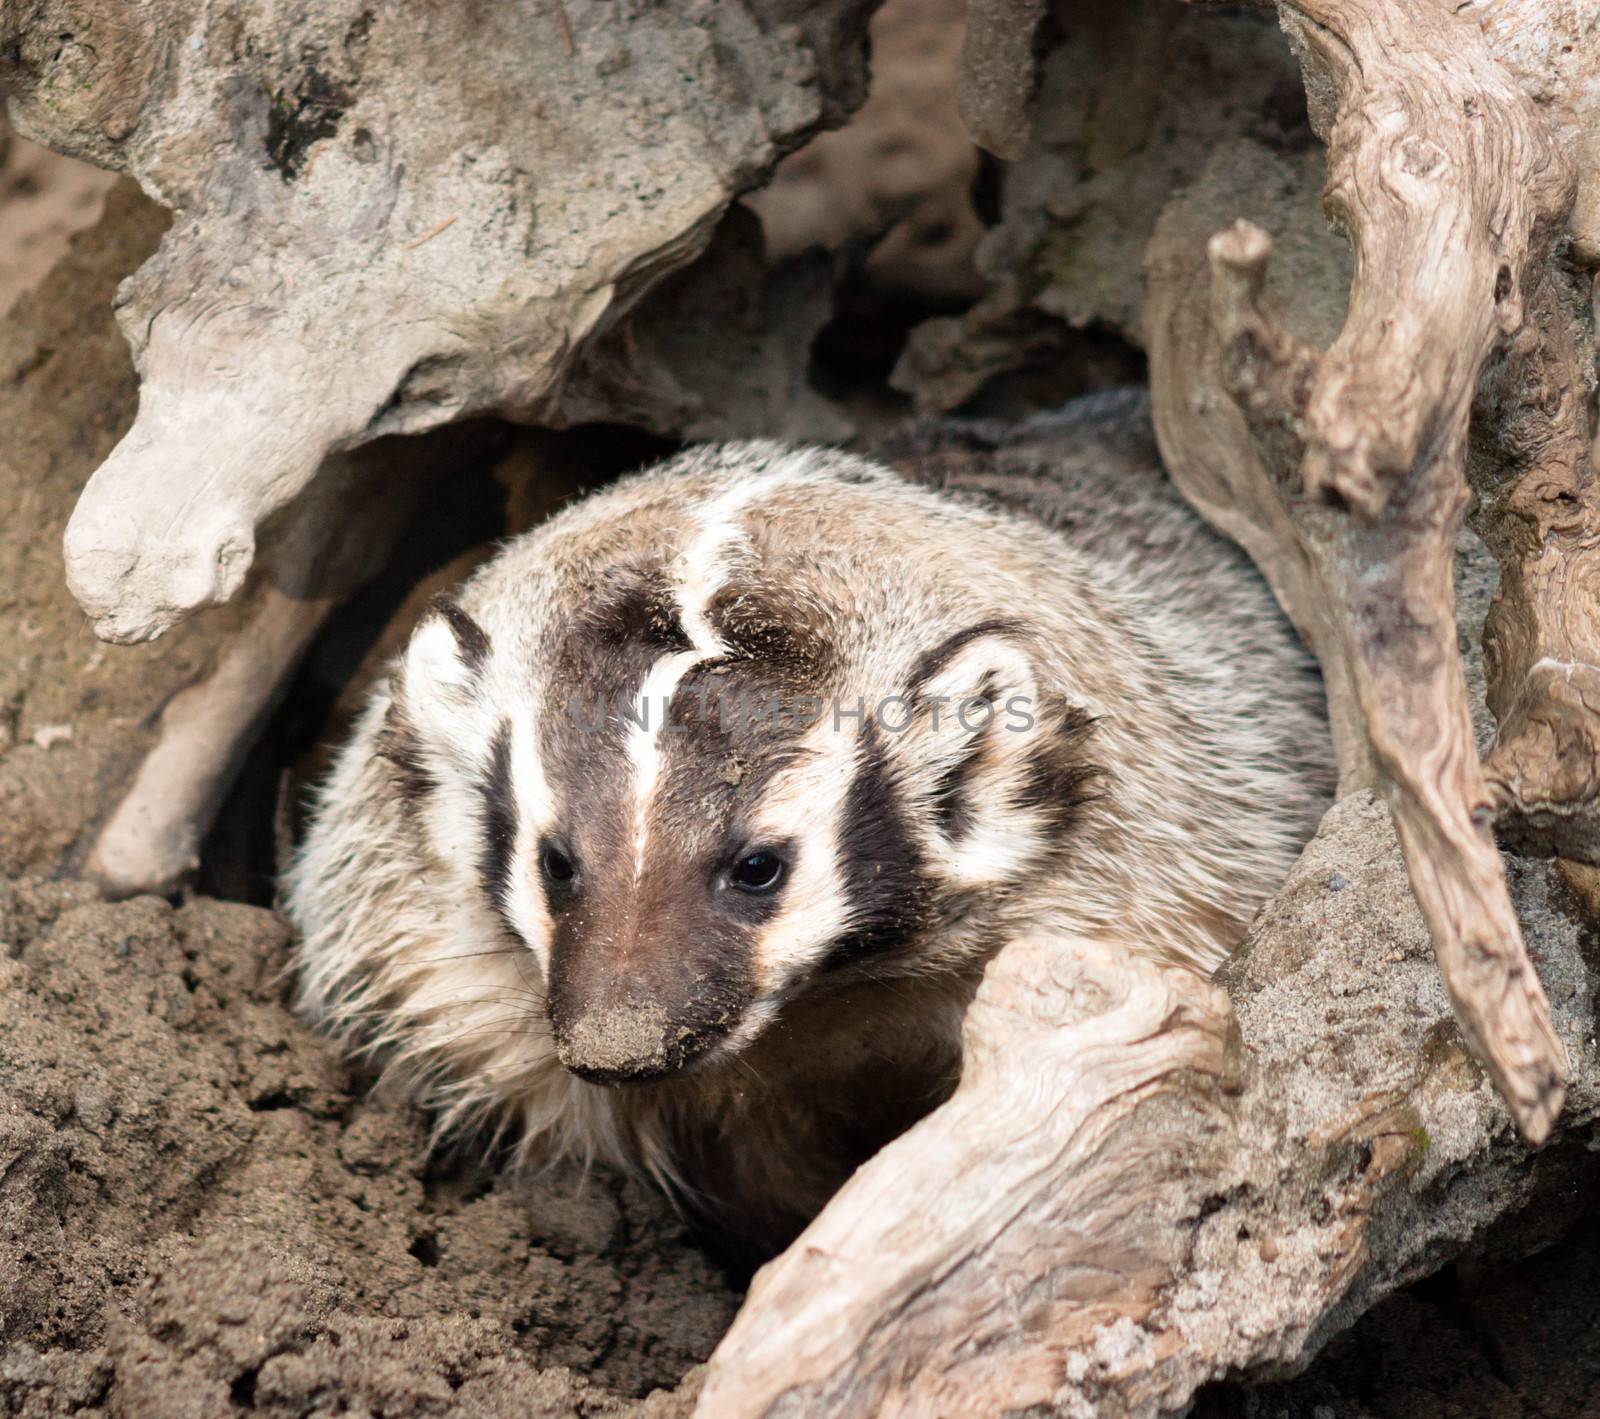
470	258
1145	1180
151	842
1453	186
999	1275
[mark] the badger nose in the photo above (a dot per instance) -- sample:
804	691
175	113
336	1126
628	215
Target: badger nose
628	1044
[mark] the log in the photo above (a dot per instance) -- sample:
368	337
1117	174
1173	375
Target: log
340	268
1039	1209
151	840
1452	188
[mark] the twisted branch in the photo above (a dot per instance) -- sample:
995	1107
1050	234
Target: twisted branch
1451	188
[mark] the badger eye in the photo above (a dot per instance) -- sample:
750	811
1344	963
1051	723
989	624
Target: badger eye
555	864
757	872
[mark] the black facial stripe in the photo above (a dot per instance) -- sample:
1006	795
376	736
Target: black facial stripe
732	726
499	822
472	641
635	607
763	626
931	662
951	800
597	664
885	890
1060	777
952	809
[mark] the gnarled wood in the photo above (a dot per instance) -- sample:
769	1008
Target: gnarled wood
1538	509
1451	187
969	1260
386	219
1406	676
151	841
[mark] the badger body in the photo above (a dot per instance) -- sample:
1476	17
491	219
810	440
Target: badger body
681	836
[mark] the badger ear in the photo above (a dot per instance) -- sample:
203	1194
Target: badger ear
435	686
992	771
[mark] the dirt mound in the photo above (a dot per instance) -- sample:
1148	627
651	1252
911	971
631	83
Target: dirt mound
201	1211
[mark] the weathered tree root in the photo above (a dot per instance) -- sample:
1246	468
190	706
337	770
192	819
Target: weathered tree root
151	842
952	1273
341	267
1538	509
1452	188
1406	675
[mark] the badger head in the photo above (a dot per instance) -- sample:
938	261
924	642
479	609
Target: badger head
692	805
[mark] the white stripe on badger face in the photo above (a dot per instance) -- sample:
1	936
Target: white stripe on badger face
536	815
644	738
699	572
806	806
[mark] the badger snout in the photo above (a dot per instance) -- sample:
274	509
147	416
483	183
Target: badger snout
629	1044
638	1036
646	976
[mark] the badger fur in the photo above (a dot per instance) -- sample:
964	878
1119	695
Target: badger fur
573	901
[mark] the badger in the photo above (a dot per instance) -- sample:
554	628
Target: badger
679	837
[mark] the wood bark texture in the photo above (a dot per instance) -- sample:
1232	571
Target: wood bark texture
385	219
1453	188
308	565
